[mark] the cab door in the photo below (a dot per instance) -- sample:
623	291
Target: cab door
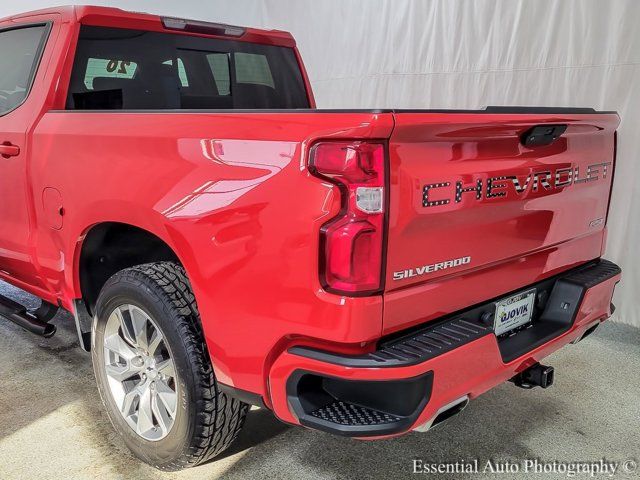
21	48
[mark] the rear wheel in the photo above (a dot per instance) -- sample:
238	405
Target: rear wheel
153	370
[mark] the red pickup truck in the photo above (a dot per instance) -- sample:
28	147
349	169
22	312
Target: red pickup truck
221	242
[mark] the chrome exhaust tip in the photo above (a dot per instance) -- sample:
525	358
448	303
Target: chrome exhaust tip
445	413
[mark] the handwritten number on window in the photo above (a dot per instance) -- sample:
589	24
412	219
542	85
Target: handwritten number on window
112	66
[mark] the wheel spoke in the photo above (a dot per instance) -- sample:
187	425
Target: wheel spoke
161	414
117	345
126	328
139	327
155	342
122	372
166	368
145	414
167	396
128	401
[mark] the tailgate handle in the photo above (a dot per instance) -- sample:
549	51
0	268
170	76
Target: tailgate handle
541	135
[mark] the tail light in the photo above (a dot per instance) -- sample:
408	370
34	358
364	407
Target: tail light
351	244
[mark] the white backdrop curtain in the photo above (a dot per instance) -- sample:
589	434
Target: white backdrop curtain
465	54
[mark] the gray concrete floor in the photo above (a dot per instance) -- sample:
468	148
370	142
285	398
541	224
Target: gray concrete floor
52	424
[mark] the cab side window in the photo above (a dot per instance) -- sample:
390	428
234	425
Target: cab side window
20	50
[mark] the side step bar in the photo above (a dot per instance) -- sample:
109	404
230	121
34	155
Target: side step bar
34	321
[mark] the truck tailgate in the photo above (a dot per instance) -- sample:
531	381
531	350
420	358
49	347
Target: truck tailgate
473	193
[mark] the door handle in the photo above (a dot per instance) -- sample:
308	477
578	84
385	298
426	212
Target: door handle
9	150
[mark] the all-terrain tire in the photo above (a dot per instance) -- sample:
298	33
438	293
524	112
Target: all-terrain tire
207	420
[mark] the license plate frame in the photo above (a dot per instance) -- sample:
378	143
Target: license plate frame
514	312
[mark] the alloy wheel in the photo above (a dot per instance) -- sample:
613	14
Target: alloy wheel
140	372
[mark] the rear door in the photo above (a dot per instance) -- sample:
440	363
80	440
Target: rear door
21	47
478	191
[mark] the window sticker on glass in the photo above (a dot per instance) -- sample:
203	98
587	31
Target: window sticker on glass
108	68
253	68
219	64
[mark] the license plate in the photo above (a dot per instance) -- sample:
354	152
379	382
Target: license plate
513	312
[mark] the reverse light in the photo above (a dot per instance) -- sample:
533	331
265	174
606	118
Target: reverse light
351	244
370	199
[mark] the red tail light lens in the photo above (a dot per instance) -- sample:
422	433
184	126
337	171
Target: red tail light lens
351	244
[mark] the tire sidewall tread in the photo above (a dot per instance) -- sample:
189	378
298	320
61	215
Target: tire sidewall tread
208	420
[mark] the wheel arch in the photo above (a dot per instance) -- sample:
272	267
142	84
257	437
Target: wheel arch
108	247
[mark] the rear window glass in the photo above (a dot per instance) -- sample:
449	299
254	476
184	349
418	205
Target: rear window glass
130	69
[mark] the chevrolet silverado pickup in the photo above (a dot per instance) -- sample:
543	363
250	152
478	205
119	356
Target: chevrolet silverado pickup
222	243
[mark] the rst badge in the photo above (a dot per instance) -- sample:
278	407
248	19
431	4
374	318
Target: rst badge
434	267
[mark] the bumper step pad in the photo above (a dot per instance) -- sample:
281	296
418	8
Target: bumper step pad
428	343
417	347
593	274
357	408
343	413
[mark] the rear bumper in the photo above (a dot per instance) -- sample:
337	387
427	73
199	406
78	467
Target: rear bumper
410	378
